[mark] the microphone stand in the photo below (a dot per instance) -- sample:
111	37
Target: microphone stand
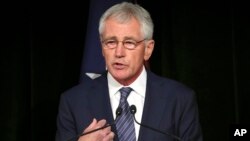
133	111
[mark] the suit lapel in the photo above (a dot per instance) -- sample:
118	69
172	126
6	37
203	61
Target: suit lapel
154	105
100	101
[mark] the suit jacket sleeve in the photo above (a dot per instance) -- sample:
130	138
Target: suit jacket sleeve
189	122
65	124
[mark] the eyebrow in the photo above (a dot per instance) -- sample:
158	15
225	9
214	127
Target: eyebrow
115	38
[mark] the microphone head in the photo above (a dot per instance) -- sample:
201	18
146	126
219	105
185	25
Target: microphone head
118	111
132	109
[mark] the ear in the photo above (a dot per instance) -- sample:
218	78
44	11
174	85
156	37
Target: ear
102	52
149	49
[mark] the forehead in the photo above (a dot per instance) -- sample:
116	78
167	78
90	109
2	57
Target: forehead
121	30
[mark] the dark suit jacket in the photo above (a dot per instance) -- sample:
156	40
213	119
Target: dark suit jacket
169	106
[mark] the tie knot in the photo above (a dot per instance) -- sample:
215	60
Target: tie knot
125	91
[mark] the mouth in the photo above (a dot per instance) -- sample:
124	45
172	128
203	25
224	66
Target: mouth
119	66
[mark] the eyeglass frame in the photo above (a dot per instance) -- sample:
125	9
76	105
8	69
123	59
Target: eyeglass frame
135	43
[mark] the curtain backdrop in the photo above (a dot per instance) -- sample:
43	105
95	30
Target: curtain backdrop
204	45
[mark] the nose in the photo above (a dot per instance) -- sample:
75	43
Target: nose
120	50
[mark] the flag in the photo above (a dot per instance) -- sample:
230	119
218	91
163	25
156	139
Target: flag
93	63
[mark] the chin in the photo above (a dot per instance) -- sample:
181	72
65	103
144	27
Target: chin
119	75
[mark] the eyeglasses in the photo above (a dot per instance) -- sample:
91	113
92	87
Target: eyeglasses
128	44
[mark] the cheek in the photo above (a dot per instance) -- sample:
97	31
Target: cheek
137	59
106	55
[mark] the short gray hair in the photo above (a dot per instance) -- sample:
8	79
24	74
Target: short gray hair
124	12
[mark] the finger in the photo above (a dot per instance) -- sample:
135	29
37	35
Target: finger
109	137
101	123
107	133
91	126
106	130
93	123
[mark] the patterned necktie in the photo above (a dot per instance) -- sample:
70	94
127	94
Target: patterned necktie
125	123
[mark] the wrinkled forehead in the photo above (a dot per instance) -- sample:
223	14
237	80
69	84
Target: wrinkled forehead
129	29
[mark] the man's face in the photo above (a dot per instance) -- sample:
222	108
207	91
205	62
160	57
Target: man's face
125	65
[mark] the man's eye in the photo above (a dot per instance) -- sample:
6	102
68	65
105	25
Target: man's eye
130	42
111	42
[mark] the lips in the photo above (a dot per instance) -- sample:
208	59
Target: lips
119	66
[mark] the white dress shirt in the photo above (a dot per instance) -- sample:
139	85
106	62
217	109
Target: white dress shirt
136	97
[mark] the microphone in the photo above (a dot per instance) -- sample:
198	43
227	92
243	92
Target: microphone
118	113
133	111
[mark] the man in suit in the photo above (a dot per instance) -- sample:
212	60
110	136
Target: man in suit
168	106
